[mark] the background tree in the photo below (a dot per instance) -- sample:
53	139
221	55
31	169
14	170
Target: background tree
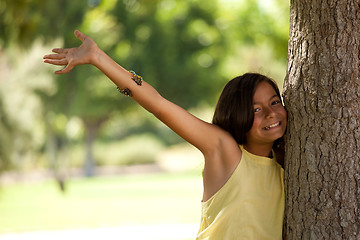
7	132
22	28
186	49
170	42
322	96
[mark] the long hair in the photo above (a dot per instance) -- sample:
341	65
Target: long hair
234	111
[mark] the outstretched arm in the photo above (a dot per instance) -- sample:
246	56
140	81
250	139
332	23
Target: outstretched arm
202	135
219	148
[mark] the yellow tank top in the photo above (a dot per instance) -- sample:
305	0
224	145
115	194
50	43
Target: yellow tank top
250	205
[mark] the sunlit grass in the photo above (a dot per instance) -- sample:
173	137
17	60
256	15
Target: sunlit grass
102	202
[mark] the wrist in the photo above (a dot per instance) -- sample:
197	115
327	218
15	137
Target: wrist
95	58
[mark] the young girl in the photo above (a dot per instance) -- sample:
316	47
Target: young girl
243	194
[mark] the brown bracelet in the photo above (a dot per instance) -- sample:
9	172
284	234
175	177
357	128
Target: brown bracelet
136	78
125	91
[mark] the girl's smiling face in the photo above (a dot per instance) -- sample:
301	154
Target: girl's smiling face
269	116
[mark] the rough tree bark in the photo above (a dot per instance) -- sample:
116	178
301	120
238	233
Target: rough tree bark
322	97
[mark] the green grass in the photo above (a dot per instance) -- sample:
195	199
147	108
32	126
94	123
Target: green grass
102	202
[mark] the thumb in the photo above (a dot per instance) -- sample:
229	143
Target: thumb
79	35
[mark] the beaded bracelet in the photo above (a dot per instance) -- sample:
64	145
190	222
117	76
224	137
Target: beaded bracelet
136	78
125	91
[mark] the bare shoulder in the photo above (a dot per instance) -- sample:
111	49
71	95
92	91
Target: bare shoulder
220	163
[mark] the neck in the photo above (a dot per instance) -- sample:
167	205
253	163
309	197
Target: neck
263	150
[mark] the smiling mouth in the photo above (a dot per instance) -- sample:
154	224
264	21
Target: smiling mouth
272	125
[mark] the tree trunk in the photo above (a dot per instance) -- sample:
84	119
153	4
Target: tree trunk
92	127
322	97
89	155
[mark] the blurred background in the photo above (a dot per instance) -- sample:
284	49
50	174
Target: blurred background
75	154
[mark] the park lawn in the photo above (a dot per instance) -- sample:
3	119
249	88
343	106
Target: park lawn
155	198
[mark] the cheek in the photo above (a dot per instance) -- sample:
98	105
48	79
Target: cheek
284	115
257	122
280	110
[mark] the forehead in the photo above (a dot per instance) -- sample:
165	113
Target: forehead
264	92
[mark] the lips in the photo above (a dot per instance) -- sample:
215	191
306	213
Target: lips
272	126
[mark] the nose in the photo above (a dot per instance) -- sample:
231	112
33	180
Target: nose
269	113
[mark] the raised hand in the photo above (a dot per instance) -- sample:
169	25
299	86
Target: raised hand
71	57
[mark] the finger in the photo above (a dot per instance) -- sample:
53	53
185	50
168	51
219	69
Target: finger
80	35
54	56
60	50
61	62
65	70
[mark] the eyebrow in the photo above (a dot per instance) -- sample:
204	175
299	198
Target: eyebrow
275	95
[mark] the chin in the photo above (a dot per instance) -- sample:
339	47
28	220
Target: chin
276	137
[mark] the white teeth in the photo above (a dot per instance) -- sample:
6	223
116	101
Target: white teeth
272	125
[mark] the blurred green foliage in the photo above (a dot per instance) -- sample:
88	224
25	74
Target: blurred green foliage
186	49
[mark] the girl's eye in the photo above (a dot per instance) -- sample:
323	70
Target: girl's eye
275	102
256	109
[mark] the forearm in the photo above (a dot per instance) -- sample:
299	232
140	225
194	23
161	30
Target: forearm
145	94
192	129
